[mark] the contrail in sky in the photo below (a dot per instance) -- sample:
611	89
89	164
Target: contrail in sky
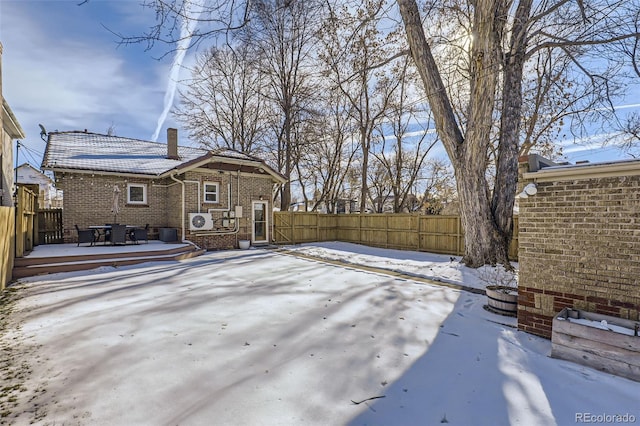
187	27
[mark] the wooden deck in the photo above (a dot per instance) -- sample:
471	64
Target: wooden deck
55	258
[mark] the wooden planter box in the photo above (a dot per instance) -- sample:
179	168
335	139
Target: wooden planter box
612	346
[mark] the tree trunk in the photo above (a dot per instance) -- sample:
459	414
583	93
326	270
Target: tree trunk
285	201
443	114
364	189
507	160
483	241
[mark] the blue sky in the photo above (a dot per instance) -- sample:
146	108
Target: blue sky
63	69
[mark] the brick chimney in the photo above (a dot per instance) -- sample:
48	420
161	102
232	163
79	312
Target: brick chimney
172	143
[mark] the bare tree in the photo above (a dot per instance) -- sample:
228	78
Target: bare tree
283	33
404	140
439	186
211	19
324	164
560	103
504	34
354	45
628	135
224	103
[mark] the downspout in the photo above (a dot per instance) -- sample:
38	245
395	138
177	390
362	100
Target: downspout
183	206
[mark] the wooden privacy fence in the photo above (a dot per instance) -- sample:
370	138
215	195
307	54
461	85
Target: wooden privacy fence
435	234
50	229
26	220
7	235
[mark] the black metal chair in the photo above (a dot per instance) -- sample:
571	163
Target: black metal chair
138	234
118	234
85	236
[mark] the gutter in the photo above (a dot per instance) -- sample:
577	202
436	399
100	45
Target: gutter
15	130
586	171
229	160
101	173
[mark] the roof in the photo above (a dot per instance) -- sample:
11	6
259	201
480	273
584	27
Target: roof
586	170
32	176
80	151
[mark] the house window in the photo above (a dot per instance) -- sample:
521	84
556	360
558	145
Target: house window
211	191
136	193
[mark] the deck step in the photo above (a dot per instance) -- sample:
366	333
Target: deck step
31	266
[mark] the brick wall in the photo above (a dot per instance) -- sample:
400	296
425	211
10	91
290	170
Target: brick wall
579	244
88	200
251	188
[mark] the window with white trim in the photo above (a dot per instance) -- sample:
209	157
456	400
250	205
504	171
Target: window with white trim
136	193
211	191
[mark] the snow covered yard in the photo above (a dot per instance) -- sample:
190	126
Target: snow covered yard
261	338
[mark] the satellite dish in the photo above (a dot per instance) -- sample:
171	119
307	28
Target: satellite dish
43	132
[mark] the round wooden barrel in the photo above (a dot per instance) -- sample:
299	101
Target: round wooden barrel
502	300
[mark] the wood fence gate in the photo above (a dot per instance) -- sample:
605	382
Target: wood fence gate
50	229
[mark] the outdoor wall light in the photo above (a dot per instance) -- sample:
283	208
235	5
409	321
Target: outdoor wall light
529	190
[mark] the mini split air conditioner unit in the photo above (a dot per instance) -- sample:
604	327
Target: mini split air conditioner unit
200	222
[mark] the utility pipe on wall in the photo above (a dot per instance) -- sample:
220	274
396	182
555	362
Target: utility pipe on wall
236	227
173	177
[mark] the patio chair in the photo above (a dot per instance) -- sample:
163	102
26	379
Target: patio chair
118	234
107	232
138	234
85	236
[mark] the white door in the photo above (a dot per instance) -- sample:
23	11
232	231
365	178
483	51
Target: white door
260	220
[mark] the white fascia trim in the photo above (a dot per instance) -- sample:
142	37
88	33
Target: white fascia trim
591	171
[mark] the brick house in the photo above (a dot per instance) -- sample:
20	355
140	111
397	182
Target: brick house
211	198
579	241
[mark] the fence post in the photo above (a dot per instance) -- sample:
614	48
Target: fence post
386	228
418	223
293	227
459	235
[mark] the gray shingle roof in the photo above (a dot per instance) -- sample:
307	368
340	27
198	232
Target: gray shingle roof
79	150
